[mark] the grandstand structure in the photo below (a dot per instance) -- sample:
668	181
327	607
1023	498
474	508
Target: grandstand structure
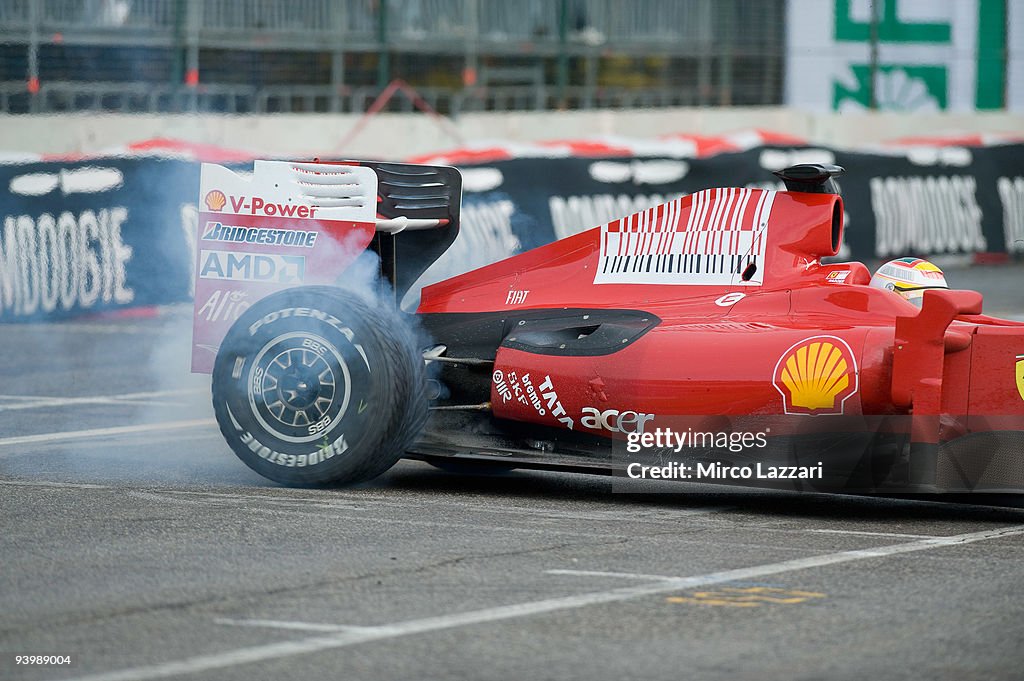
266	56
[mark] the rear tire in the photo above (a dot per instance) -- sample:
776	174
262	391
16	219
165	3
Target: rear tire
319	386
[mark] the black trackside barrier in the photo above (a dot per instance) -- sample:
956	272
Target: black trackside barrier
113	233
906	201
90	236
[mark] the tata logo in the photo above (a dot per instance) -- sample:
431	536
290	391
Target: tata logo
278	269
615	421
241	205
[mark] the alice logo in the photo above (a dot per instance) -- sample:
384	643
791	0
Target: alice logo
215	200
816	376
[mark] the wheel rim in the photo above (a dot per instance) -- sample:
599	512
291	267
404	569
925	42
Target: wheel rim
299	387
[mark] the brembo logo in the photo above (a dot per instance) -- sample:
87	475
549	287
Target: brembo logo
242	205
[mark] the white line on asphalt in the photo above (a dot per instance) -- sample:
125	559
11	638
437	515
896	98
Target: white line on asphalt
152	397
273	651
284	504
876	534
354	502
598	573
329	495
105	432
596	515
92	327
296	626
44	483
412	518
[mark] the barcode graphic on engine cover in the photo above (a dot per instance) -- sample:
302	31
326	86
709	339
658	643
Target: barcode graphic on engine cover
708	238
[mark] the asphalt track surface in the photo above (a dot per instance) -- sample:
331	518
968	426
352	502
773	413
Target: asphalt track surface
134	541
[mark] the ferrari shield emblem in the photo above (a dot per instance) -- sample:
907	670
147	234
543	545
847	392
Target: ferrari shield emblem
1020	375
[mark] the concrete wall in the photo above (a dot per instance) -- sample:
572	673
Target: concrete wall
402	135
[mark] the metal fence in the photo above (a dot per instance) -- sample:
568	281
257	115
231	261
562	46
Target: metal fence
336	55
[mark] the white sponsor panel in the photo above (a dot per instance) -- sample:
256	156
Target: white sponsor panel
938	156
257	267
661	171
68	261
1015	51
777	159
1011	195
481	179
926	215
931	56
710	241
87	180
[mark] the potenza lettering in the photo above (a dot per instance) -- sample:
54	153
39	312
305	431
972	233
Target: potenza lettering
228	265
216	231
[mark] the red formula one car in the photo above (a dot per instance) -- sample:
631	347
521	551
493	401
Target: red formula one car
702	339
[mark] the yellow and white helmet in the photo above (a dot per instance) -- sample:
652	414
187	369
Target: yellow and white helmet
909	278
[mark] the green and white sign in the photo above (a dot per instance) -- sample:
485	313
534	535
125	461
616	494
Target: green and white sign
929	55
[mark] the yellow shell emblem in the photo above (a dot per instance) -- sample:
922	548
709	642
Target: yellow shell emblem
1020	375
816	376
215	200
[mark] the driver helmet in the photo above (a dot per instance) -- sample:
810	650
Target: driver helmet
909	278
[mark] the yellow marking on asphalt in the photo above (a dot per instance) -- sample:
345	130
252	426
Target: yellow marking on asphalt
746	597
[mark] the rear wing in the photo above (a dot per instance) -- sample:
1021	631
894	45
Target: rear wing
290	224
409	198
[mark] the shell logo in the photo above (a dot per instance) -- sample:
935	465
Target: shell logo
816	376
215	200
1020	375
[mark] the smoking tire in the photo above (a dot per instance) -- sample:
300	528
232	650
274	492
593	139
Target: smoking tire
315	386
